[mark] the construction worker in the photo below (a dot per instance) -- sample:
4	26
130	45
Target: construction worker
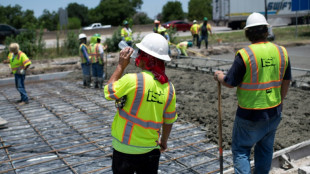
97	52
204	29
85	61
195	32
19	63
126	34
157	26
163	31
145	104
262	74
182	47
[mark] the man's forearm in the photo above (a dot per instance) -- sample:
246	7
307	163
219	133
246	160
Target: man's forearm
284	88
117	74
166	132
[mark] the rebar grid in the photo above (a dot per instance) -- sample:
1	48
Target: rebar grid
61	102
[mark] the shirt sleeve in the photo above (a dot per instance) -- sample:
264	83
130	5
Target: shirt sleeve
120	88
170	115
85	54
25	60
235	74
288	73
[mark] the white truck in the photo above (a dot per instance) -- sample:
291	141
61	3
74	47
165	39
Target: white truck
235	12
96	26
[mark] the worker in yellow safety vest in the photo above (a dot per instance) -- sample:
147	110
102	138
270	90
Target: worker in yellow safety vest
96	55
85	61
262	74
145	103
126	34
204	29
156	26
195	32
182	47
19	63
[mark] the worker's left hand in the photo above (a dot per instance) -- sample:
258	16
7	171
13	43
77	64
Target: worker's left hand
163	146
216	75
124	57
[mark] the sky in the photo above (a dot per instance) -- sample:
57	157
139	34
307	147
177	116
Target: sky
150	7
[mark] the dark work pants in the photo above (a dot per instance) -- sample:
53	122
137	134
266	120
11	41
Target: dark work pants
20	86
196	37
205	38
141	164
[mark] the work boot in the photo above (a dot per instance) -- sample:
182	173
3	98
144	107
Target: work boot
96	82
3	122
84	80
23	103
88	80
100	82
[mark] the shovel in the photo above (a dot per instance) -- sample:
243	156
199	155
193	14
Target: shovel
220	126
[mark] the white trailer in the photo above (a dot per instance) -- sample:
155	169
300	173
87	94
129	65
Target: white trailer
235	12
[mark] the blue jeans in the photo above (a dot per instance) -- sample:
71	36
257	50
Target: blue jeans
20	86
97	70
246	134
201	38
85	69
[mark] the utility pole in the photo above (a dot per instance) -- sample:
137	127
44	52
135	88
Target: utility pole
266	14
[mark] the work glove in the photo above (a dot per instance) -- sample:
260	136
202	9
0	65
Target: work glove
21	71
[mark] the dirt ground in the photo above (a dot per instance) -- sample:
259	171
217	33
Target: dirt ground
197	101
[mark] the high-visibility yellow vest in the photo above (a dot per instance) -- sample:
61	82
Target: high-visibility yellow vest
83	59
19	60
182	45
94	53
195	29
266	64
127	34
149	104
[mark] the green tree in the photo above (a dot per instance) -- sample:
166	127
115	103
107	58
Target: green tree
114	11
78	11
13	15
197	9
172	11
141	18
74	23
49	20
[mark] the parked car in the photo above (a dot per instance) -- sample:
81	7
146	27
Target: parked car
179	25
7	30
96	26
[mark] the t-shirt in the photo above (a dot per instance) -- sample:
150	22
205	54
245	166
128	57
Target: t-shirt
234	78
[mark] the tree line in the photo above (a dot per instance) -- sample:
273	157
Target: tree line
108	12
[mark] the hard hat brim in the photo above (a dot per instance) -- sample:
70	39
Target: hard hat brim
257	24
152	53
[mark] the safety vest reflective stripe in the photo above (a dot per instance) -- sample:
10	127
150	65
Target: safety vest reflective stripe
282	61
97	54
138	95
170	96
26	61
255	85
261	86
134	119
169	115
111	91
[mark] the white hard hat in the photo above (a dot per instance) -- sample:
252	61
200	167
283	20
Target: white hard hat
155	45
255	19
82	35
194	21
156	21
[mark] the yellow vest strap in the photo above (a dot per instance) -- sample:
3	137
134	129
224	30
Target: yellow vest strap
168	101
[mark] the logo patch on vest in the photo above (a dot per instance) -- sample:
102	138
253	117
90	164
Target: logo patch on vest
268	62
154	97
